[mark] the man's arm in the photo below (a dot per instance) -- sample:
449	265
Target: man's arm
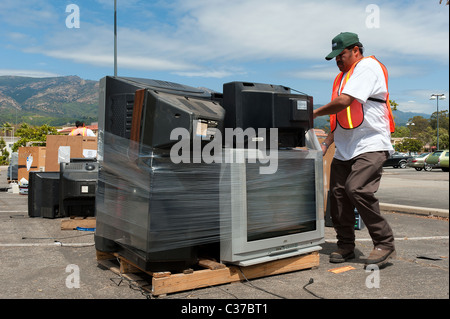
338	104
327	142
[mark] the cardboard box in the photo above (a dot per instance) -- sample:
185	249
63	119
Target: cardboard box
61	148
327	159
31	159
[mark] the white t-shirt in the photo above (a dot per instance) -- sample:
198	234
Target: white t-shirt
373	134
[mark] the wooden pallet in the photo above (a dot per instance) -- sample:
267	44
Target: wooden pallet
211	273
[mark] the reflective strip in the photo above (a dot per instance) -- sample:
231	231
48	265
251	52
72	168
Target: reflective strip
349	113
349	117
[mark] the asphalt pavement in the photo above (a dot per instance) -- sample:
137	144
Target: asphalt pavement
38	260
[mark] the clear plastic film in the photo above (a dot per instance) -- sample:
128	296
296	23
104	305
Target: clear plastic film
147	202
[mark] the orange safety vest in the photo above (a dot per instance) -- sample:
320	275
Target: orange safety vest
353	116
79	131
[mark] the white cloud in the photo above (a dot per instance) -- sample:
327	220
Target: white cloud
28	73
209	73
224	33
419	101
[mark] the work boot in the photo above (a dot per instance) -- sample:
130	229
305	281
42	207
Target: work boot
341	255
379	256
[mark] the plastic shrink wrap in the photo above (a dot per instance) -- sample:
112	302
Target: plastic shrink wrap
164	216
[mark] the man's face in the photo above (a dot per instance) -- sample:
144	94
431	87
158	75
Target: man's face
346	59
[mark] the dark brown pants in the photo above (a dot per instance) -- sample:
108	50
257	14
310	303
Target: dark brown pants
353	184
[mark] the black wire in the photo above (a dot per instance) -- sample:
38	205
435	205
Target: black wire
266	291
299	92
311	280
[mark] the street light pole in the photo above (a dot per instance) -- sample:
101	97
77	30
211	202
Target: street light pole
115	37
409	143
437	97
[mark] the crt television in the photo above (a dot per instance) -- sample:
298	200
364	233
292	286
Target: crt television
123	100
266	106
265	217
77	187
43	194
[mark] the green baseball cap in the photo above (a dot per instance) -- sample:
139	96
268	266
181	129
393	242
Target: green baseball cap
340	42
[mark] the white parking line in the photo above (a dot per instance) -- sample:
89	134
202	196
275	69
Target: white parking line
55	244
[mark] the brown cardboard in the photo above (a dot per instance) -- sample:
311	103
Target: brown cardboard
326	170
38	164
77	145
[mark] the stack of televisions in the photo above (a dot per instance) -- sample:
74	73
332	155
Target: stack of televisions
164	214
66	193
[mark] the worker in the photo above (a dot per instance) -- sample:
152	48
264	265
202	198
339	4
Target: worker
81	129
361	125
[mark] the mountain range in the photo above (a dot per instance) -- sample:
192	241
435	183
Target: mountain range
54	100
60	100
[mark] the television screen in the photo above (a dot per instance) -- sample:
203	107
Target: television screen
271	216
279	204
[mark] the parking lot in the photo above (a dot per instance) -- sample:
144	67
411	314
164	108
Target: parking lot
406	186
37	258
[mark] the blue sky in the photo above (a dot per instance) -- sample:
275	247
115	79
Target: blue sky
205	43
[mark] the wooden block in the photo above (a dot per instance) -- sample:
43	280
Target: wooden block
126	267
73	223
103	256
341	269
211	264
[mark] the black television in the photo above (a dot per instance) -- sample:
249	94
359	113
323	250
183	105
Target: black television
43	194
266	106
148	207
121	98
77	188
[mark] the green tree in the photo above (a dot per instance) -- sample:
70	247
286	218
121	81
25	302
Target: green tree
37	134
401	131
4	154
443	120
420	125
443	139
393	105
427	135
410	145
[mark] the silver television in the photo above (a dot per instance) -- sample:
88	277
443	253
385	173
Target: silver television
265	217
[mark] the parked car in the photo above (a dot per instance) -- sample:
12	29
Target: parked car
418	162
438	159
444	161
397	160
